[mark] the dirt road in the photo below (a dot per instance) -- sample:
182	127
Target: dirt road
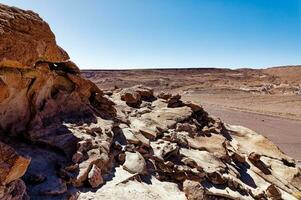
286	133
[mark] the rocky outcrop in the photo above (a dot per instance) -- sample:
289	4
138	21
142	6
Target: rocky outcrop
134	96
61	135
26	39
167	140
45	103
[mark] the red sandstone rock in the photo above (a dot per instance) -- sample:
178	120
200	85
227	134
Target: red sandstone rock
12	166
26	39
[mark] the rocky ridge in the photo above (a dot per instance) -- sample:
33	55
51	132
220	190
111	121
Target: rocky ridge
64	138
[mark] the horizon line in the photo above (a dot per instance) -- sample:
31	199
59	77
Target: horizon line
184	68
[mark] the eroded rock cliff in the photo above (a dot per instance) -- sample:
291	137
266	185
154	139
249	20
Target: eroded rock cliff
60	135
45	103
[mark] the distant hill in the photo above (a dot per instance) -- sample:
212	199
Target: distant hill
286	73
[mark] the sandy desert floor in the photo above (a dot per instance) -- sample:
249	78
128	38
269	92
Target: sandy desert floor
285	133
265	100
275	116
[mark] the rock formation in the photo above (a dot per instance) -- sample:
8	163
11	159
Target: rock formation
61	136
45	103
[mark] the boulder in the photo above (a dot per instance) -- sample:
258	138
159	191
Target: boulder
94	177
164	95
133	96
194	107
13	166
146	93
134	163
273	193
174	101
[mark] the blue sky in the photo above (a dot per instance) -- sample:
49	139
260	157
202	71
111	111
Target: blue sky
174	33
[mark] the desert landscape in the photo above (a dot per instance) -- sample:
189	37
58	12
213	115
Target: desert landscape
273	91
72	134
265	100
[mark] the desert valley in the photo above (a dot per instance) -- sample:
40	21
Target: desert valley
265	100
187	134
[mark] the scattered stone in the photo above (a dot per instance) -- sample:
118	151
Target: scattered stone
163	149
146	93
190	128
194	107
189	162
164	95
133	144
121	158
131	97
77	157
174	101
273	193
12	165
134	163
135	137
216	178
193	190
94	177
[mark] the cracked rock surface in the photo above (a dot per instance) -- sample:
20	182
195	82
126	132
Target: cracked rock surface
61	137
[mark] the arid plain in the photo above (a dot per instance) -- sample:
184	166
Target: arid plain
265	100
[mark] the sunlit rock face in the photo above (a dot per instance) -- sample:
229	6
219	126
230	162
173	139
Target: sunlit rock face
61	136
207	159
26	39
44	102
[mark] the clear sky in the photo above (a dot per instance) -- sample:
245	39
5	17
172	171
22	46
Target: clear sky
174	33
